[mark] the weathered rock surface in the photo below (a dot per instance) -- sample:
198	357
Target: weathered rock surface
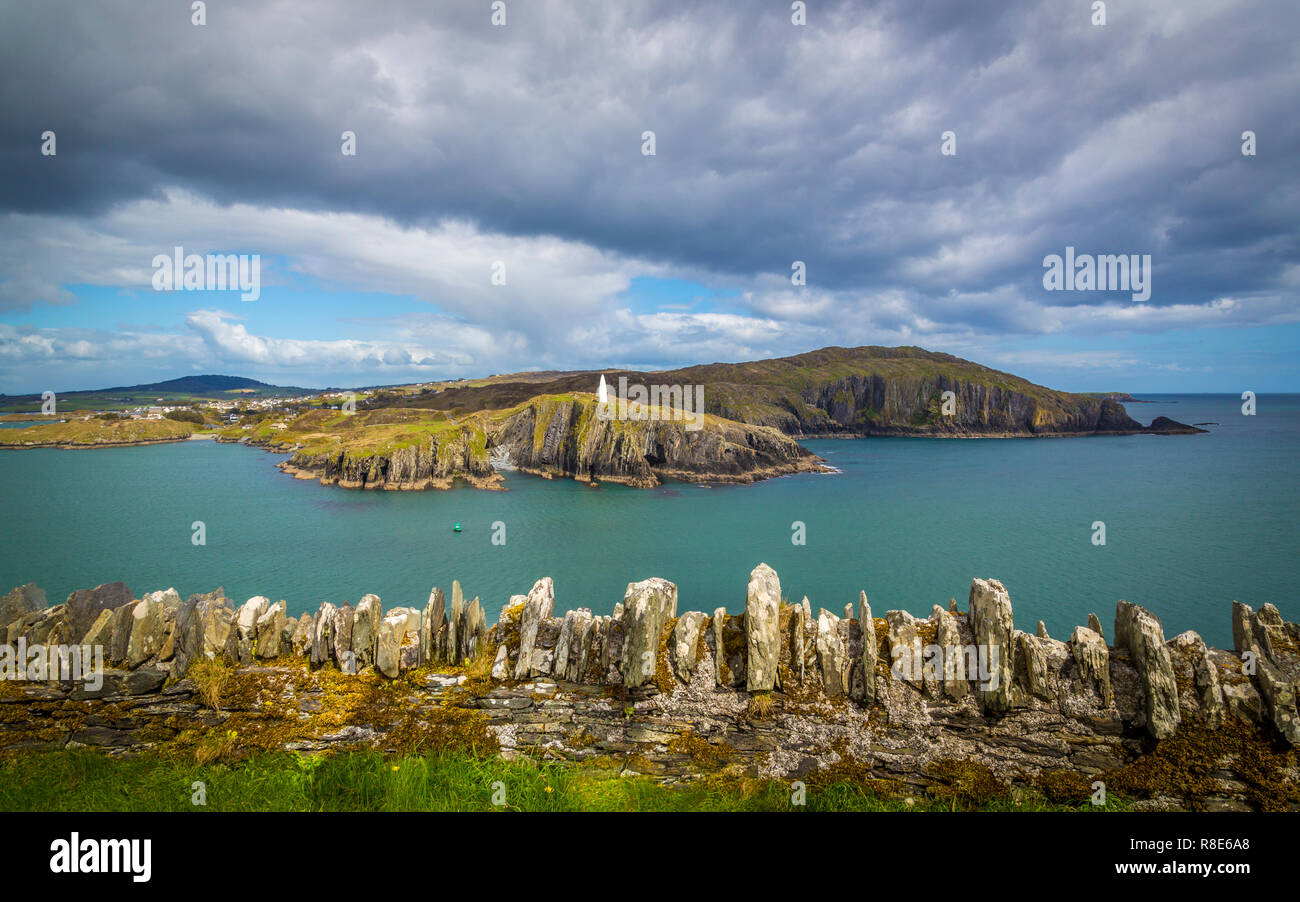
270	625
19	601
146	632
538	606
82	609
647	607
322	642
1077	707
993	623
1092	658
762	640
870	649
1145	641
686	643
832	655
393	633
365	630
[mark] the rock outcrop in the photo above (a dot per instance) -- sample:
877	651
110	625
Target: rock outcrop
992	622
852	391
959	686
762	640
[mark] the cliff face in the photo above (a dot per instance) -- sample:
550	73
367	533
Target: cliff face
549	436
883	405
849	391
565	437
435	461
900	391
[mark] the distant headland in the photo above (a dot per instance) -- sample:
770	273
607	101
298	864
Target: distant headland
711	423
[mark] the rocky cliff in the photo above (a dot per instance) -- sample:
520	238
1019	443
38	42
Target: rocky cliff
852	391
552	435
903	703
563	436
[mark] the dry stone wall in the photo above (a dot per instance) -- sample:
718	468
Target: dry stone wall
772	691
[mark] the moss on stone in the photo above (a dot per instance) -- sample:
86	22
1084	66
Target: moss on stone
968	782
1185	765
663	678
1064	786
701	751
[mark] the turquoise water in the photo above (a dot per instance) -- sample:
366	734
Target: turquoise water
1192	523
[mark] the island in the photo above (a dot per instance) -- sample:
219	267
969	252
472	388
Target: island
720	422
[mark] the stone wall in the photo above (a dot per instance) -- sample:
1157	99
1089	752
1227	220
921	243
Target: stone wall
770	692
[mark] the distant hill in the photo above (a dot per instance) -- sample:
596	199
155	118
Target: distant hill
203	385
839	391
186	389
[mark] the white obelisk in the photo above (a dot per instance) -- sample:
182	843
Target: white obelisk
602	391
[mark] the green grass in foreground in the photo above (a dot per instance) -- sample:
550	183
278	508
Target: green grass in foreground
87	780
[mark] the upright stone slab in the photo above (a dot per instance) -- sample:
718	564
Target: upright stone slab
269	628
686	643
322	643
538	606
1146	646
870	651
1093	660
473	629
82	608
431	625
146	632
1124	614
345	621
905	655
455	625
588	645
992	622
953	668
388	646
798	637
122	624
568	646
365	630
762	629
217	621
501	664
647	606
301	638
101	631
19	601
1033	653
246	625
720	669
832	656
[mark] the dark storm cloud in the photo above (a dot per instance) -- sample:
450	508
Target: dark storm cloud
774	142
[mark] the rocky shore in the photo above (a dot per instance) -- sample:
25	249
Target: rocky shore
559	436
903	702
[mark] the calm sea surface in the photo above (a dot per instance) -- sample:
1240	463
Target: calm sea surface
1191	523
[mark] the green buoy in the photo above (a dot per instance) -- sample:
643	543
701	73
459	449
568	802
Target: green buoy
456	527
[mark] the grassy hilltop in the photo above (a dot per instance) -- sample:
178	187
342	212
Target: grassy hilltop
836	391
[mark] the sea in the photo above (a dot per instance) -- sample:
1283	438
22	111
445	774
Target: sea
1180	524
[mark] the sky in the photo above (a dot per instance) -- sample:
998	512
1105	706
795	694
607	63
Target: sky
917	160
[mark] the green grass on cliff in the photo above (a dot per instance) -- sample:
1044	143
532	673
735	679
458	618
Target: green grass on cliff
91	431
87	780
364	433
